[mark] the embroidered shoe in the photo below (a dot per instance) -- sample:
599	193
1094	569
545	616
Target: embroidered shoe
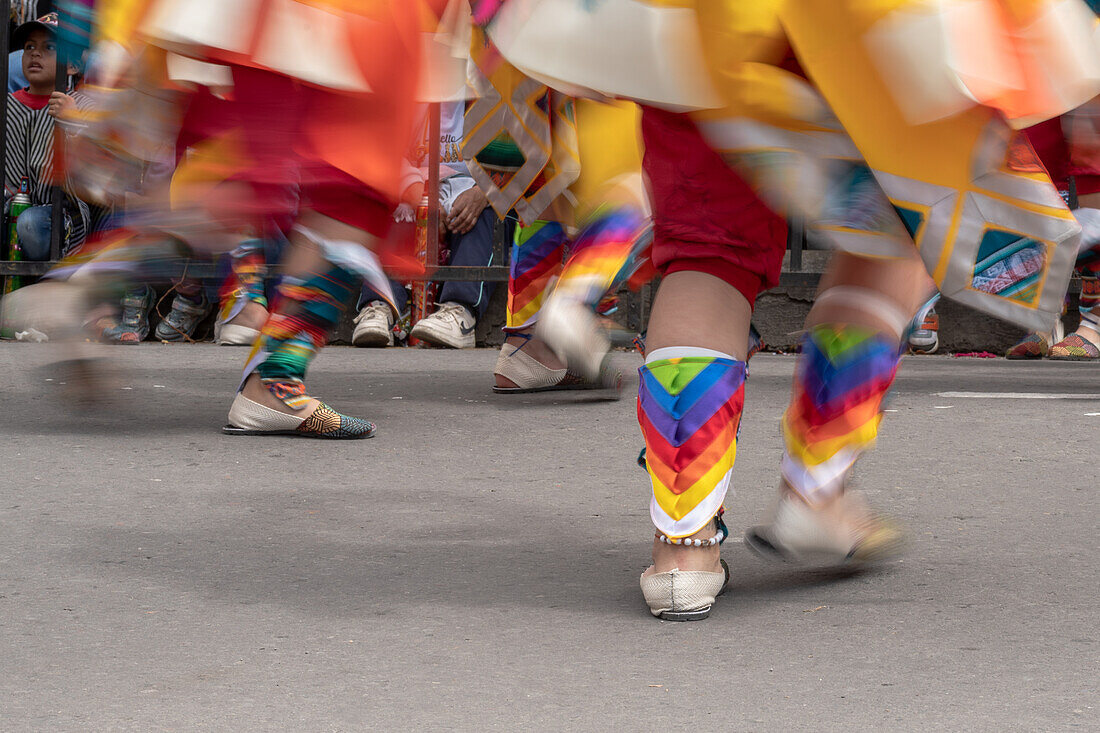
1036	345
452	326
373	325
683	595
1075	347
530	375
247	417
183	318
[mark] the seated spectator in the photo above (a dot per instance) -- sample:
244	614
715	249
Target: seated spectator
469	221
32	112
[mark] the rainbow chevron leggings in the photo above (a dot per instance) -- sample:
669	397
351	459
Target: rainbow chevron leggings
842	376
689	410
306	312
603	256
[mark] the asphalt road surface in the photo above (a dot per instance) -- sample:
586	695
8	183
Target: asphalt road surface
475	566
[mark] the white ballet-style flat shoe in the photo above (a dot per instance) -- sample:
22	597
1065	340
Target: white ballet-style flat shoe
841	531
686	595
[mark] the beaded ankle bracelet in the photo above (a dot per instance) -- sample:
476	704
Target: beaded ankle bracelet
720	536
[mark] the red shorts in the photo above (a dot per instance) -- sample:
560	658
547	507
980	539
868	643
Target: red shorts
705	218
1049	141
271	111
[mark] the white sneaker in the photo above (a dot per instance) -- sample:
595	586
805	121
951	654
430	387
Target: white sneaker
373	325
452	325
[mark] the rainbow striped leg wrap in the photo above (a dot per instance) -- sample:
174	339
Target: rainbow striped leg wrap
538	252
605	255
246	284
1089	304
1088	265
689	410
836	406
306	313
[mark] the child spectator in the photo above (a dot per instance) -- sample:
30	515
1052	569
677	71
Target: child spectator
32	112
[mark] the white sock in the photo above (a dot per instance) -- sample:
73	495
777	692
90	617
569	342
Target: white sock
679	352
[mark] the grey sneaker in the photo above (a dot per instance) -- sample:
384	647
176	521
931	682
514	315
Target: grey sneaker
133	326
925	336
452	325
373	325
183	319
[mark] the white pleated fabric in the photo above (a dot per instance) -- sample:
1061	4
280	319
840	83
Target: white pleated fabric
297	39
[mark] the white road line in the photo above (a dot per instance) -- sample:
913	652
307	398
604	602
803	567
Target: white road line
1020	395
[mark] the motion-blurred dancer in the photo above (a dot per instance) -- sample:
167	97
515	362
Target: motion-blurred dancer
888	155
541	156
1071	164
321	134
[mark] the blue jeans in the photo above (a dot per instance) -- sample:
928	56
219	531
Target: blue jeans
472	249
33	227
16	80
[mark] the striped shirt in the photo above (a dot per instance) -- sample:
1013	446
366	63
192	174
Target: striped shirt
30	153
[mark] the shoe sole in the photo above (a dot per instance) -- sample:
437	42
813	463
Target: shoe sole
685	615
175	338
1074	358
863	553
434	340
762	547
371	340
756	541
587	387
614	389
234	430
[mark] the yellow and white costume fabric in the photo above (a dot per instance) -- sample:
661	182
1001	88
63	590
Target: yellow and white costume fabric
545	134
900	140
888	130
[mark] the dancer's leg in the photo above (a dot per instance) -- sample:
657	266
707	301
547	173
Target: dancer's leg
717	252
1089	305
849	357
312	297
1090	308
605	254
538	253
693	313
244	299
1084	343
